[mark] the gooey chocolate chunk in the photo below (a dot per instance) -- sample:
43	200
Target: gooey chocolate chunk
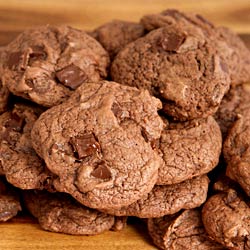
172	42
85	145
37	53
15	122
71	76
14	60
101	172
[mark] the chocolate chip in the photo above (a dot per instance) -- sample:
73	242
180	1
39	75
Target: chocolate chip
144	134
71	76
85	145
14	60
37	53
224	66
116	109
172	42
101	172
15	122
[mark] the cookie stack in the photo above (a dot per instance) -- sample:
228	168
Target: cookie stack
128	120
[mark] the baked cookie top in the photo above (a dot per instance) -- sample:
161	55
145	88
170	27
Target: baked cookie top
47	64
99	144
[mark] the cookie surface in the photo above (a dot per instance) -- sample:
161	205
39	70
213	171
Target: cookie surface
20	164
180	66
46	64
232	105
179	231
99	144
9	201
189	149
114	35
236	151
61	213
226	218
228	44
168	199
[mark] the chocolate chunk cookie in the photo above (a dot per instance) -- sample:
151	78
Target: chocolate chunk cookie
180	231
114	35
167	199
9	201
228	44
226	218
99	144
20	164
189	149
47	64
236	151
60	213
179	65
233	104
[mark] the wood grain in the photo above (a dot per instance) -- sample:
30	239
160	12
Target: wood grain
23	233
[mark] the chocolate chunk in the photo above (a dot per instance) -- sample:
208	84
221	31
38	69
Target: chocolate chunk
172	42
85	145
15	122
224	66
14	59
101	172
38	53
116	109
71	76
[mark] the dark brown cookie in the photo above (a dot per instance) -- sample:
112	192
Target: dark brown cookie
236	151
99	144
9	201
115	35
60	213
226	218
228	44
167	199
179	65
189	149
47	64
20	164
180	231
232	105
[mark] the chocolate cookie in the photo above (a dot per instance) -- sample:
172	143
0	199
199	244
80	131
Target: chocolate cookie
99	144
9	201
232	105
47	64
236	151
228	44
189	149
180	231
179	65
167	199
20	164
226	218
60	213
114	35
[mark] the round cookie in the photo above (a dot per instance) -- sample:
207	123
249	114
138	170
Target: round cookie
236	151
226	218
9	201
179	65
20	164
168	199
232	105
114	35
228	44
189	149
47	64
180	231
60	213
99	144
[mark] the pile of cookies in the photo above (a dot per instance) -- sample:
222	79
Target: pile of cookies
128	120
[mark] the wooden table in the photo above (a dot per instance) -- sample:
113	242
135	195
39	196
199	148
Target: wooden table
23	233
